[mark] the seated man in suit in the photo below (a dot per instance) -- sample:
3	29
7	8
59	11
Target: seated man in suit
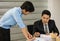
45	25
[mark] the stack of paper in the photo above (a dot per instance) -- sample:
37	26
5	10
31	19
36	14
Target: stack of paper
43	38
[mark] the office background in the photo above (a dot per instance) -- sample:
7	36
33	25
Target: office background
16	34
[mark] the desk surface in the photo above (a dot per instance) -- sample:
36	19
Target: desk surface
47	39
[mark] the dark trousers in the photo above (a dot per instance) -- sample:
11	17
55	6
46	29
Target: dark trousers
4	34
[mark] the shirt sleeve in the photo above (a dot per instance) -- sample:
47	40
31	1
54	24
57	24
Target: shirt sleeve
18	19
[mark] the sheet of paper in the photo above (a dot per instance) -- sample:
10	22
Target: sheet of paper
39	39
43	38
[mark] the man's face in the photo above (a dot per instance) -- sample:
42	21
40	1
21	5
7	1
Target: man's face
25	12
45	18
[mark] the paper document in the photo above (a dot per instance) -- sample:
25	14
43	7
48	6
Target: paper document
43	38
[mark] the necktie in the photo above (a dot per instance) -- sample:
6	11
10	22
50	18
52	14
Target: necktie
46	29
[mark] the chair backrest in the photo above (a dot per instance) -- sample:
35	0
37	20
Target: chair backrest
30	29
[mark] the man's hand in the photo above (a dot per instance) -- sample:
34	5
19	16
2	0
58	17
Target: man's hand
32	39
53	35
29	36
26	33
36	34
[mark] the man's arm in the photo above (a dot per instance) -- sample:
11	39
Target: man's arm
35	27
21	24
26	33
35	30
55	29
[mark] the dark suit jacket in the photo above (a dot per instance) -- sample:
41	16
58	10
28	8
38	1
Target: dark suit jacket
30	29
38	27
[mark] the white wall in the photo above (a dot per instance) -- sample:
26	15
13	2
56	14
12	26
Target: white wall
54	7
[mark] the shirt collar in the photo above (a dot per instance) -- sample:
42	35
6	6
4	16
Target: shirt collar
20	11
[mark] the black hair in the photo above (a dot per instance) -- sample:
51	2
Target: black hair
28	6
47	12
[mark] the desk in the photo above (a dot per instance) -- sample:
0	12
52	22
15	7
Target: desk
42	39
46	38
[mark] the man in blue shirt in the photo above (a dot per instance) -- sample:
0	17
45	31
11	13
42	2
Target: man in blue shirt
13	17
